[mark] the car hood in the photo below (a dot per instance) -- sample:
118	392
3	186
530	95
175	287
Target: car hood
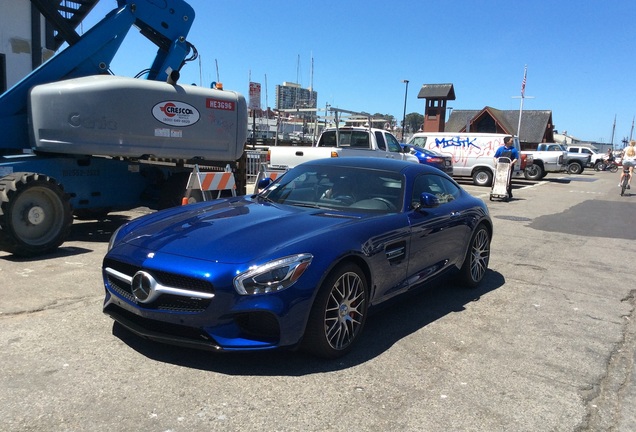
233	231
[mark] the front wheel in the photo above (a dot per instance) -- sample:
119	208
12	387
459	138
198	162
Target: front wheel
533	172
599	166
482	177
477	257
36	214
338	314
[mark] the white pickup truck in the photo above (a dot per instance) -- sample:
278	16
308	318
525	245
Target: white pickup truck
344	141
547	158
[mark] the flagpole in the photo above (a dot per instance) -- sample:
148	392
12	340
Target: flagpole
522	97
519	124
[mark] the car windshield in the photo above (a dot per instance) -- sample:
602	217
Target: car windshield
339	188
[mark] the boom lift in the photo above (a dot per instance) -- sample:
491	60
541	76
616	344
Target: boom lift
79	140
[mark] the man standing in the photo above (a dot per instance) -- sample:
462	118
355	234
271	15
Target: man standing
508	150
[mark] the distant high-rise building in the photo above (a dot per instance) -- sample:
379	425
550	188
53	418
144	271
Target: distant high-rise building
292	95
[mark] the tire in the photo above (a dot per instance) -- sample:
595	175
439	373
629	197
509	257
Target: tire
599	166
613	168
338	314
624	184
174	189
575	168
533	172
482	177
36	214
477	257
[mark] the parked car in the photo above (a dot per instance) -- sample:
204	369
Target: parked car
299	264
595	157
429	157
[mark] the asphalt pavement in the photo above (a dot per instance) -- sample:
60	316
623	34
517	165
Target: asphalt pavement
546	343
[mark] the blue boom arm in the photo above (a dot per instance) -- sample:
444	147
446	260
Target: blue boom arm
166	23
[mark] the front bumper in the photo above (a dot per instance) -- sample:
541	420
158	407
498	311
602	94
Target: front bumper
224	321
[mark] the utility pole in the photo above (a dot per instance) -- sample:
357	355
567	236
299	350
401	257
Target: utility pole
406	92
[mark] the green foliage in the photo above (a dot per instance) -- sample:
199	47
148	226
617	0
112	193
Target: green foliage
414	121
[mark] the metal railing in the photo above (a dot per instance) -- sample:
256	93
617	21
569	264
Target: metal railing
254	160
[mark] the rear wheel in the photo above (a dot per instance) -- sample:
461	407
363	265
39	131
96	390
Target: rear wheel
338	314
624	183
476	262
35	216
575	168
533	172
613	168
482	177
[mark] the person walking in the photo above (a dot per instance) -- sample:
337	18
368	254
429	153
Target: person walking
629	160
508	150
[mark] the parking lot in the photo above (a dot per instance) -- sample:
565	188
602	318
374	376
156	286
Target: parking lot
546	343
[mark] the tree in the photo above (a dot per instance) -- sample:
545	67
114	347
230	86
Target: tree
414	121
387	117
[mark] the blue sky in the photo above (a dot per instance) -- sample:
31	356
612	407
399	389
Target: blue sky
580	55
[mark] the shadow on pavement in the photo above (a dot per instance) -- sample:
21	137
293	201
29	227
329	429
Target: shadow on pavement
383	329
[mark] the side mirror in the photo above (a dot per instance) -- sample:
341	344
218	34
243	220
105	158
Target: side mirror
428	200
264	183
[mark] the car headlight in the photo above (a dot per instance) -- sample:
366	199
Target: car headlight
113	239
273	276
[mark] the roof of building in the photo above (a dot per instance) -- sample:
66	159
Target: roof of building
437	91
534	123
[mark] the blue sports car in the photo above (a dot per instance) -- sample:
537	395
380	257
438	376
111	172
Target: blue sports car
299	264
429	157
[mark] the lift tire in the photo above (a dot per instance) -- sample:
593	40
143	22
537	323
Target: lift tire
174	190
35	214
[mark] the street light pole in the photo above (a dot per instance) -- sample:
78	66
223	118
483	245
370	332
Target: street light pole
406	92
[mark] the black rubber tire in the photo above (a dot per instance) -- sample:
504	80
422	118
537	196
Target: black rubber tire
624	184
174	190
533	172
575	168
613	168
35	216
338	314
477	257
482	177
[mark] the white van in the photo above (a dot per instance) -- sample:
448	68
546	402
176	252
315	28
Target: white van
473	153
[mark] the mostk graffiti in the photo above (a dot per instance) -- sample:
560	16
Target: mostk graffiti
461	148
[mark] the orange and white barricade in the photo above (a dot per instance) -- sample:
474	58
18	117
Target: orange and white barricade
267	172
208	182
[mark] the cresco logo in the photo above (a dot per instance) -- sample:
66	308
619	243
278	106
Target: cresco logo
172	110
175	113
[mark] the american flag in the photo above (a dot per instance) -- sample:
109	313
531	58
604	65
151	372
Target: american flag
523	83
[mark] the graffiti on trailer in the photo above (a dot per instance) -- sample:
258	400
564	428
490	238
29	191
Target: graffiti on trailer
456	142
461	148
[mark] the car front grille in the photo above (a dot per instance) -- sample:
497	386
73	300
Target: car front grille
165	302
